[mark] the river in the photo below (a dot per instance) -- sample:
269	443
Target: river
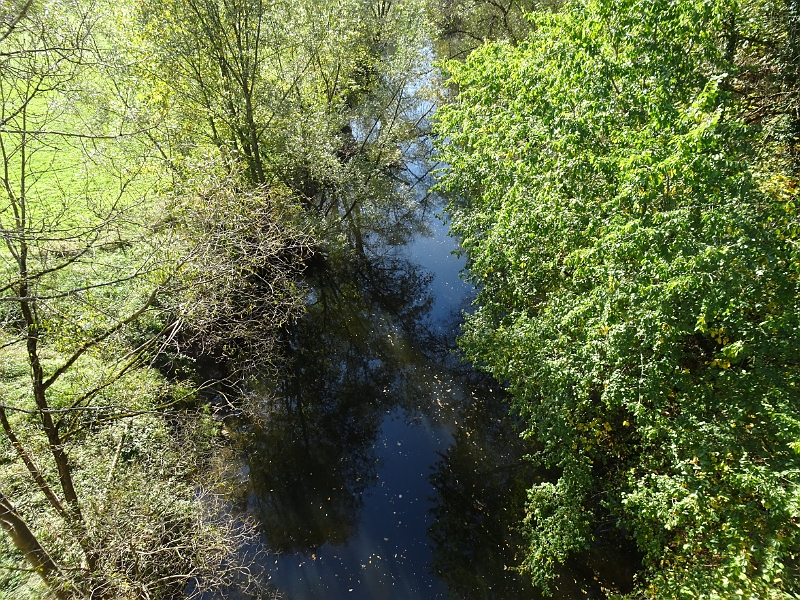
381	465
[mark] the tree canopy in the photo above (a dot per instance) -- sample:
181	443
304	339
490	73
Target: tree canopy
624	184
110	267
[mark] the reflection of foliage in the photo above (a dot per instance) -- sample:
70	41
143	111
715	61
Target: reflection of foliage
383	294
481	485
309	465
311	455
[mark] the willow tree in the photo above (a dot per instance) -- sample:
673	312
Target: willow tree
632	225
463	25
305	96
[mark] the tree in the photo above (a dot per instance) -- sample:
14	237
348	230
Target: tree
307	96
463	25
633	231
101	455
244	251
40	244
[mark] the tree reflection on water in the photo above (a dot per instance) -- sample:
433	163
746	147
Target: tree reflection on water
351	359
481	491
481	483
365	349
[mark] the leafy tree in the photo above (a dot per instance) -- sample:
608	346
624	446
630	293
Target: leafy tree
101	494
463	25
633	229
309	96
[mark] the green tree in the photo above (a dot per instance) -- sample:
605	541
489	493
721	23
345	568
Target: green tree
312	97
102	490
633	230
463	25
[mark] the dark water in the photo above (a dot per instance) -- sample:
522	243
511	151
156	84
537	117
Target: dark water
354	462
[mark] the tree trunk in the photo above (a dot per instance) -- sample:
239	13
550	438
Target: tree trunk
24	541
39	395
32	468
792	75
76	521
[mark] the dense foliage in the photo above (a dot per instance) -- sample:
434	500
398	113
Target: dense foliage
103	457
625	188
463	25
310	97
